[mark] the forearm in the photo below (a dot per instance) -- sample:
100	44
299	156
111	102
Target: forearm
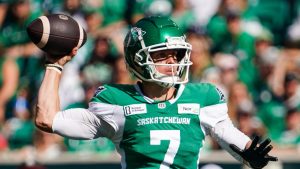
48	103
48	100
240	146
225	133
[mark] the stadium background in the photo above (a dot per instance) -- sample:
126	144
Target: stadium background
250	49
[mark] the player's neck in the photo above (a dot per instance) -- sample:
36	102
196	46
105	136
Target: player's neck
157	92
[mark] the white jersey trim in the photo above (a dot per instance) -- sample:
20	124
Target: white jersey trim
178	94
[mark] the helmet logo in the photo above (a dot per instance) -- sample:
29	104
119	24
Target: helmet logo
137	33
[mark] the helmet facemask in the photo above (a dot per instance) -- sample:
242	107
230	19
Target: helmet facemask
180	70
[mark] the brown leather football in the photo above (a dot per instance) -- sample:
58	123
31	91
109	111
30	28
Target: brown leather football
56	34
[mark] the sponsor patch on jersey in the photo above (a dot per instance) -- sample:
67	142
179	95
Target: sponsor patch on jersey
222	96
99	90
135	109
189	108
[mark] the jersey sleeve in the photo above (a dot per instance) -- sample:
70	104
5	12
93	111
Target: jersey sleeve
104	106
103	118
215	108
79	123
214	96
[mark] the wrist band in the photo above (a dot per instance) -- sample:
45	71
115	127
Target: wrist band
56	67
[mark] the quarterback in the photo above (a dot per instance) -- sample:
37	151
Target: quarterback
160	122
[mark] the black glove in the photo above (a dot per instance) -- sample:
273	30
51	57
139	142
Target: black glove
256	156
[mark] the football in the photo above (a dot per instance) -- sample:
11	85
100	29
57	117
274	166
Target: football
56	34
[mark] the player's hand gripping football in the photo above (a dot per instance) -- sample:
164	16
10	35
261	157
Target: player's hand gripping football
63	59
256	155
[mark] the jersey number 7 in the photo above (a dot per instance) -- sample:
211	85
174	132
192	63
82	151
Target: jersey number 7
174	136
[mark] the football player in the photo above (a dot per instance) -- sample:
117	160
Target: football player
160	122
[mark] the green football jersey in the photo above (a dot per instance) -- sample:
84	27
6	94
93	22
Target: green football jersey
161	134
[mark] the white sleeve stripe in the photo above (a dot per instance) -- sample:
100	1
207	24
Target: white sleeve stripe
211	115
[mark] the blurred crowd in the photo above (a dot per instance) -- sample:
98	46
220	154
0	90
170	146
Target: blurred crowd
250	49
